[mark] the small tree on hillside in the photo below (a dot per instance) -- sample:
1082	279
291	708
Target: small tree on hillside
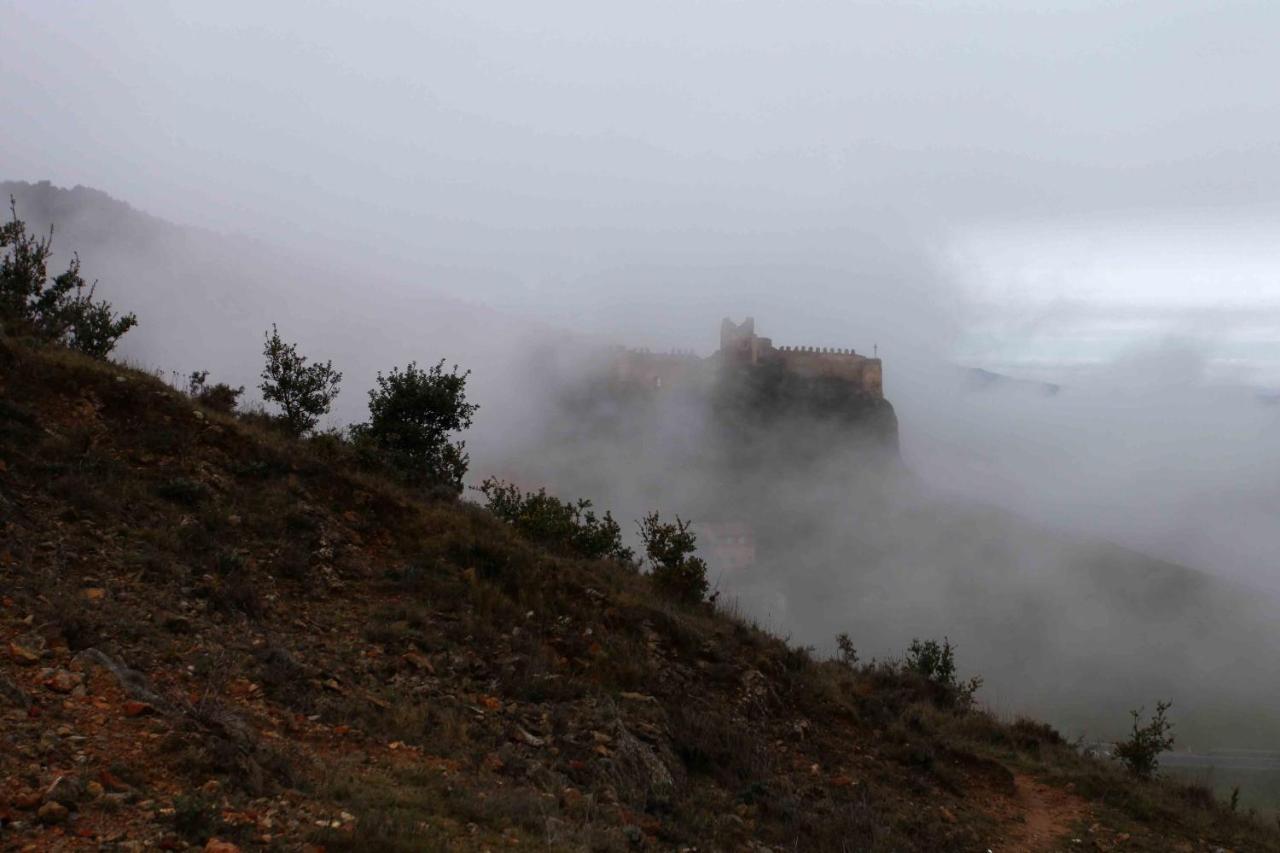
932	660
92	328
59	309
936	662
845	652
303	392
1141	752
219	396
676	572
413	415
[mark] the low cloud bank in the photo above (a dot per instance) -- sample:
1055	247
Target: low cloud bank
988	531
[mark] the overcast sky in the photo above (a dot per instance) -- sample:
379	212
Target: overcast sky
1071	175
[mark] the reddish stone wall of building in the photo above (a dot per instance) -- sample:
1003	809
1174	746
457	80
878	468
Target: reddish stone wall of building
813	362
655	370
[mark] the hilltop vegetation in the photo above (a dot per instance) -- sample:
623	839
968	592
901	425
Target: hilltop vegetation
213	632
57	309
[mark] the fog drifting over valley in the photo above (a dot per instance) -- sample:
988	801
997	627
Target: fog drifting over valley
1077	193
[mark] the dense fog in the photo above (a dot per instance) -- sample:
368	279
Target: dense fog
1075	196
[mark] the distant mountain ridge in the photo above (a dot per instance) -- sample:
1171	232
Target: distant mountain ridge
978	378
92	212
203	298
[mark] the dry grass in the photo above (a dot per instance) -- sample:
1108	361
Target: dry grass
416	664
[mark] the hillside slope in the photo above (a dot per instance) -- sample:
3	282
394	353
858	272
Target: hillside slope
1063	626
907	563
205	298
208	632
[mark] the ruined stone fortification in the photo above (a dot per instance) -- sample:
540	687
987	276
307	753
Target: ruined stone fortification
740	346
656	370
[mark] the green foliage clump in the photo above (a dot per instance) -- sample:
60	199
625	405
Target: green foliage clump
936	662
92	327
1141	752
675	571
219	396
933	660
550	521
413	414
60	309
303	391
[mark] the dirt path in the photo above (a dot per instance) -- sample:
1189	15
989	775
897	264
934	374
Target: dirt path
1043	817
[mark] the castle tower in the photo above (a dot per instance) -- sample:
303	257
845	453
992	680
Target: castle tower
739	344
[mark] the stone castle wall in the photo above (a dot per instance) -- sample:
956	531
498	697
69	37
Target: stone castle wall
655	369
741	346
814	362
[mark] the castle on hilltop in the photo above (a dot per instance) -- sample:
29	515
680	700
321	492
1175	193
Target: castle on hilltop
741	347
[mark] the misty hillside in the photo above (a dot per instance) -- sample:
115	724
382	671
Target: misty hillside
980	379
87	217
209	296
843	537
1058	623
717	426
218	637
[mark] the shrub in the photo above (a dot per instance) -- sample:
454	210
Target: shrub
183	491
936	662
193	817
92	328
331	445
236	590
303	392
933	660
1030	733
845	652
412	416
220	396
553	522
675	571
1141	752
59	309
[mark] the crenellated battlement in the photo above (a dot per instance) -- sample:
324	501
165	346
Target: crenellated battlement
655	369
821	350
740	346
836	363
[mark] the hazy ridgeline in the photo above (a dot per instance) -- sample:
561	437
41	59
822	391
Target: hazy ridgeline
986	530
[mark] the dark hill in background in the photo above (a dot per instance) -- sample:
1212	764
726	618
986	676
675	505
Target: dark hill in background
979	379
204	299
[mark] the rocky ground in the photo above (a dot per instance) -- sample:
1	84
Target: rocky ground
215	638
